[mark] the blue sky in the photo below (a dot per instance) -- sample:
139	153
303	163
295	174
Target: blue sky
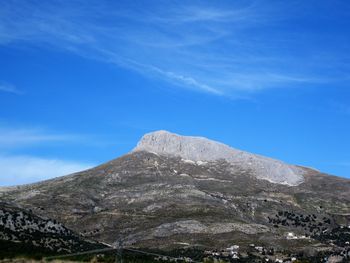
82	81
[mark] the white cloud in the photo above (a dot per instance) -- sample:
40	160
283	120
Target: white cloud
19	137
22	169
6	87
15	170
175	78
211	48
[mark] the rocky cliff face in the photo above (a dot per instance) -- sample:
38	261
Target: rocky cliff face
173	190
202	149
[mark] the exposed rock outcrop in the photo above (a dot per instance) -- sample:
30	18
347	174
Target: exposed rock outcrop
202	149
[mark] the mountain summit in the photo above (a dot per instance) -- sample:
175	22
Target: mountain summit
203	149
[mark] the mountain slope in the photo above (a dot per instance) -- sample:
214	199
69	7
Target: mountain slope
24	232
158	197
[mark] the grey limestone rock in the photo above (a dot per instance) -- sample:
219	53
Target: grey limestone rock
202	149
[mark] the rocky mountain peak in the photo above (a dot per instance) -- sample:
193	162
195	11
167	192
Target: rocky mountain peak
187	147
202	149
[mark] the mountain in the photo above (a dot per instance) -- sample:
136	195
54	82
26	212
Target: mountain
172	191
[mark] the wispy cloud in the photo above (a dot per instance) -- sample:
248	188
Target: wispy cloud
218	49
177	79
20	169
25	136
20	137
15	170
6	87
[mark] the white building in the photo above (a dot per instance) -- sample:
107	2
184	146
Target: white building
291	235
232	248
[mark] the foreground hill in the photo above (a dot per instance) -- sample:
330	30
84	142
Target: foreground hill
22	232
173	191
